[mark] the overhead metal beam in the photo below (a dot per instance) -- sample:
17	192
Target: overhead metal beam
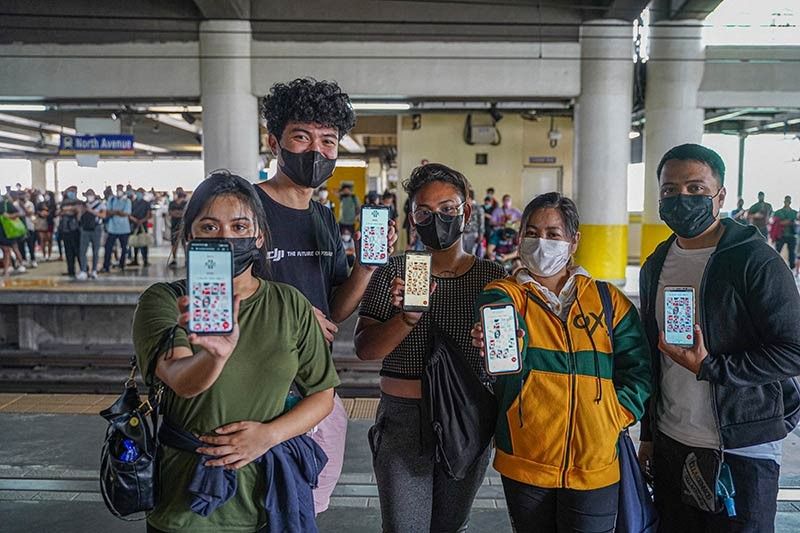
681	9
625	9
224	9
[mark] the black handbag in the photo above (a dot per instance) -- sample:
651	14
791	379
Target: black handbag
128	468
129	458
461	411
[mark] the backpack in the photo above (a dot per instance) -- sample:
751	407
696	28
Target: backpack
636	512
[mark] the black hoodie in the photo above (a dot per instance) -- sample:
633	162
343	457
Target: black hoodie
750	316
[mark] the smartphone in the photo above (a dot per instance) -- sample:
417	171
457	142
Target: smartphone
209	265
679	315
417	292
374	249
501	345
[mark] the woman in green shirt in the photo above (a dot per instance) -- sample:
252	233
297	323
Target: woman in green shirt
231	390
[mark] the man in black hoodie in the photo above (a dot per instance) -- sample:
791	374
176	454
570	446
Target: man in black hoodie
723	405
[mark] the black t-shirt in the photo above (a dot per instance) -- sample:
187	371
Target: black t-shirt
140	209
306	249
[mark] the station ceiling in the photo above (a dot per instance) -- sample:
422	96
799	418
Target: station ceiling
113	21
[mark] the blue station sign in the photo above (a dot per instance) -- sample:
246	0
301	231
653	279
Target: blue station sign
96	144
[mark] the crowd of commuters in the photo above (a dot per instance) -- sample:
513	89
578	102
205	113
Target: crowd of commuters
72	224
592	365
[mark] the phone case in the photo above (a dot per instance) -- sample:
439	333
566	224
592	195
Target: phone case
211	302
374	245
507	354
676	320
417	281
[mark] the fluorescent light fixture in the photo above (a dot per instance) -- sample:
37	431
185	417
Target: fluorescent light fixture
23	107
22	148
793	121
634	134
175	109
381	106
752	130
352	145
351	163
773	125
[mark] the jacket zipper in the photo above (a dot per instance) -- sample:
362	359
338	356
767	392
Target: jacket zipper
703	325
570	420
572	380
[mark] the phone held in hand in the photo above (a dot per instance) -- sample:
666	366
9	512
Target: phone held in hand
209	283
417	292
374	246
500	343
679	315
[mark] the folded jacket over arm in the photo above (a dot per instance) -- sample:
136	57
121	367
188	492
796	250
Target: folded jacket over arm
291	470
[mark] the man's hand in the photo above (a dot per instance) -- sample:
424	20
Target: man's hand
689	358
329	329
239	445
391	241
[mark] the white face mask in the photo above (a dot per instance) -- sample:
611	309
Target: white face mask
544	257
90	198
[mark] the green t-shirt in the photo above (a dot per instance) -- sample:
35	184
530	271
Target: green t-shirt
348	210
787	213
280	342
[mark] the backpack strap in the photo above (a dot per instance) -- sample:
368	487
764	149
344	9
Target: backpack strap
608	308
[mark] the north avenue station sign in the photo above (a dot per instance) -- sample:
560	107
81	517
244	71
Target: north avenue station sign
96	144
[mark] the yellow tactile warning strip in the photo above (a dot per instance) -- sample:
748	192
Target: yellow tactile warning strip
91	404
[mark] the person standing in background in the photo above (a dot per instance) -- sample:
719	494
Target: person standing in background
28	243
322	197
140	217
118	226
176	208
349	208
8	245
786	219
68	229
740	213
473	229
759	215
388	200
91	228
506	215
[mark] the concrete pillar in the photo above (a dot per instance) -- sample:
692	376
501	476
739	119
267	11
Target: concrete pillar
39	174
674	73
230	110
603	119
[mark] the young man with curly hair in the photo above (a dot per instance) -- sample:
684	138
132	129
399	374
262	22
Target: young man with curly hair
306	119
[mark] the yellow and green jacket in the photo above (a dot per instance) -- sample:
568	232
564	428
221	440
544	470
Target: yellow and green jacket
560	418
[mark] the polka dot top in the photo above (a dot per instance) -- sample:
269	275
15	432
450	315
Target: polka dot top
452	306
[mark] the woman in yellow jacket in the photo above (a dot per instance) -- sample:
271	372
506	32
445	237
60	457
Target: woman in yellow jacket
561	416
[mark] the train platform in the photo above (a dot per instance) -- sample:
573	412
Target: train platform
49	460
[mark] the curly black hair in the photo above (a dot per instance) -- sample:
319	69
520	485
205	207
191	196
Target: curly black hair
308	100
425	174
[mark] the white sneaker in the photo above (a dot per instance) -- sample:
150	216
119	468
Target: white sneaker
93	274
34	264
82	276
20	269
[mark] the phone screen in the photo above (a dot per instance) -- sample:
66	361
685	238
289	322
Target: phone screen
417	282
210	283
500	339
679	316
374	236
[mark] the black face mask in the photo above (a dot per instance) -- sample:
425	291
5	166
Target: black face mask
245	253
688	215
307	169
440	235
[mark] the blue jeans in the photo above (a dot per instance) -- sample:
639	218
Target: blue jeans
123	244
90	237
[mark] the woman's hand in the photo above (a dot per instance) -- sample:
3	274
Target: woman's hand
238	444
219	346
397	290
477	337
